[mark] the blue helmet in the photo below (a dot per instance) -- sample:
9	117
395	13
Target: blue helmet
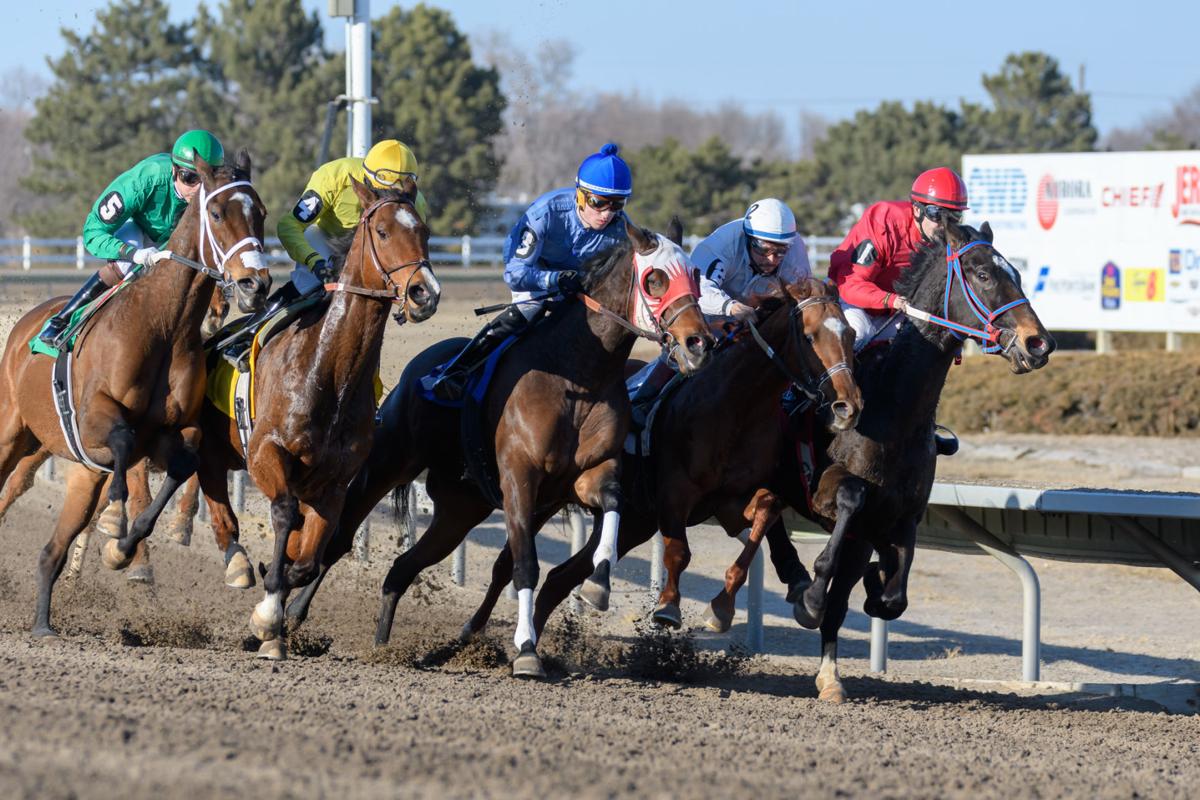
605	173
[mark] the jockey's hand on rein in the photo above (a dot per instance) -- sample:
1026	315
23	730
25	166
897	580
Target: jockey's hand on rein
569	283
144	256
323	271
742	312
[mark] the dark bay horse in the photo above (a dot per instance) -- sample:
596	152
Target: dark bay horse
556	414
139	373
716	445
874	480
314	399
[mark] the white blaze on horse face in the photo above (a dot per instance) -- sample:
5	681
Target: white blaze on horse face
406	218
253	259
525	631
431	281
1002	262
607	549
836	325
247	204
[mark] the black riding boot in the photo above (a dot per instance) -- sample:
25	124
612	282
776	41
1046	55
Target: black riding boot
92	289
944	440
452	383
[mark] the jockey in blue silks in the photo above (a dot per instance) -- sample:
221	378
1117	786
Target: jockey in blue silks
545	251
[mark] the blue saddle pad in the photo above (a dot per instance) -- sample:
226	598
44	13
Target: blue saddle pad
477	384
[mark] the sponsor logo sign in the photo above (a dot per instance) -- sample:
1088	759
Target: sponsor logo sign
1145	285
1079	286
1146	196
1186	207
1110	287
1068	196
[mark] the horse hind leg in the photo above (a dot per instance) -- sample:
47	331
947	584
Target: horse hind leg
762	512
849	569
502	570
182	523
239	573
21	479
849	495
82	496
140	570
600	488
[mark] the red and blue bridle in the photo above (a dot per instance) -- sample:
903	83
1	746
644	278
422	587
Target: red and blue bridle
991	336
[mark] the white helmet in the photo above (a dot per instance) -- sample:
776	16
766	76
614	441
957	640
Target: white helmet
770	219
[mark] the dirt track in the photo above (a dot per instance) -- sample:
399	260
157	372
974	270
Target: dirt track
150	693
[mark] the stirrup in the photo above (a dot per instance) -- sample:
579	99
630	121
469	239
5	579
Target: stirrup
945	441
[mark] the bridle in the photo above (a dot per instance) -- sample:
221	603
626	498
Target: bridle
207	237
814	387
393	294
992	338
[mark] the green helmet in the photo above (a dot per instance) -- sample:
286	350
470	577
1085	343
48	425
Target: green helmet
197	143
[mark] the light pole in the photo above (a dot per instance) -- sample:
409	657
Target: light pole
358	72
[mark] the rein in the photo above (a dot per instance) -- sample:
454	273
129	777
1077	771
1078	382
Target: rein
803	385
251	260
991	336
393	294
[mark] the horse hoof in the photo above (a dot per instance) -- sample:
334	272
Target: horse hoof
143	573
527	664
180	533
239	574
796	589
595	590
808	615
263	629
717	620
44	632
113	522
272	650
667	615
112	557
833	693
469	634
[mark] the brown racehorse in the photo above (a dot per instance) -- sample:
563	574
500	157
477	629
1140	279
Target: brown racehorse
138	379
874	480
556	412
315	399
716	445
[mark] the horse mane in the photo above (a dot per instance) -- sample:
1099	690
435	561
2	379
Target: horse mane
598	267
340	245
922	289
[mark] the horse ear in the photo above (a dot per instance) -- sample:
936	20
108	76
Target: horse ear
985	230
675	230
204	170
242	162
409	187
366	195
643	240
953	234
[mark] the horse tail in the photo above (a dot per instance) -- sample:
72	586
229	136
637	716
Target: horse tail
400	509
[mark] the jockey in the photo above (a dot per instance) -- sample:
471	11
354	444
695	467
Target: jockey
135	215
329	201
740	264
551	241
881	244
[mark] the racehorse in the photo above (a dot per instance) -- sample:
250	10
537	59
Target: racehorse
314	396
140	385
716	444
555	418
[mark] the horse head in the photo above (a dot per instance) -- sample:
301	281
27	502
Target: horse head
831	353
231	217
392	235
980	298
668	291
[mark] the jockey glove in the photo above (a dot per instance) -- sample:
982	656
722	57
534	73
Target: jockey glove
144	256
323	271
569	283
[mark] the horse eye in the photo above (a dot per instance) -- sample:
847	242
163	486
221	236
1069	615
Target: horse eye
983	276
215	214
382	233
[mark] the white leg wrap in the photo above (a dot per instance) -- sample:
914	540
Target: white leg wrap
525	631
607	549
270	609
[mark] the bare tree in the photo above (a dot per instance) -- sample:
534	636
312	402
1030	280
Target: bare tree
1176	129
19	88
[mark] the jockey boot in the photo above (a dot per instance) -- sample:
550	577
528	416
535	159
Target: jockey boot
644	386
944	440
282	297
53	331
452	383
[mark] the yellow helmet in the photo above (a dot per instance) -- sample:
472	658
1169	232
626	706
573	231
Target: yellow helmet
389	161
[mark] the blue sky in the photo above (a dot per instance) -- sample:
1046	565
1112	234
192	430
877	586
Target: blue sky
827	58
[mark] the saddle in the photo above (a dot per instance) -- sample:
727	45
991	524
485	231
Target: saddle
78	319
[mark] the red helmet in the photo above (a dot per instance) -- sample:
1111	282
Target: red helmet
940	186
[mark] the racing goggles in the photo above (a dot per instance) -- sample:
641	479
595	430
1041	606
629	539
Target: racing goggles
768	249
599	203
187	177
389	177
939	214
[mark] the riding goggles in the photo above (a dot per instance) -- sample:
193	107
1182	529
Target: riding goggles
389	177
187	177
601	203
936	213
767	249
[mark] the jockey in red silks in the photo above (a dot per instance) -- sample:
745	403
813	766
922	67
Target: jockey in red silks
881	244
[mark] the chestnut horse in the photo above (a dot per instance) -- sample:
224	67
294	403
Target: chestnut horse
314	396
138	376
556	412
716	445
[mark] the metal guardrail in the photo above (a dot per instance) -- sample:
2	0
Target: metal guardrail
29	253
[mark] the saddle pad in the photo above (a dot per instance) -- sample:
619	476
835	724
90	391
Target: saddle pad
638	443
477	383
80	316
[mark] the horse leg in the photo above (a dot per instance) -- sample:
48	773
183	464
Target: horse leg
676	557
21	479
114	521
181	526
181	465
82	496
762	512
502	569
457	508
887	596
213	477
786	561
849	569
600	488
849	493
520	484
634	530
140	570
266	621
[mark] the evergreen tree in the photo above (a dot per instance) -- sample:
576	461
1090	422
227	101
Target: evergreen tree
122	92
274	78
706	187
435	99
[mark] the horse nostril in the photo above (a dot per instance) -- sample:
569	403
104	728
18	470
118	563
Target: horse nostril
841	409
249	285
696	345
1038	347
419	295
